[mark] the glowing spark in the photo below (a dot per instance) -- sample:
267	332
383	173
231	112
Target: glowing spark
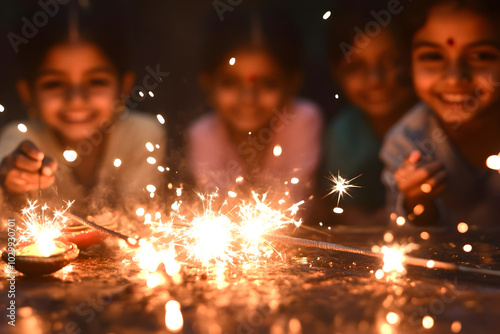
21	127
294	180
338	210
337	96
427	322
425	235
239	179
388	237
150	147
2	108
327	15
151	188
340	186
426	188
232	194
70	155
117	162
393	260
155	279
151	94
400	221
277	150
430	264
462	227
392	318
211	238
379	274
161	169
173	316
418	209
140	212
467	248
151	160
160	119
232	61
493	162
141	94
456	326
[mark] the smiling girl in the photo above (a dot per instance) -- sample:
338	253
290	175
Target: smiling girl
435	156
258	133
81	141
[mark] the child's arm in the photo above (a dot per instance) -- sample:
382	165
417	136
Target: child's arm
420	182
25	168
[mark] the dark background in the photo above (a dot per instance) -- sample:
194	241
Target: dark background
170	33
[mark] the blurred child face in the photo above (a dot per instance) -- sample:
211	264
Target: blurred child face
246	94
75	90
371	79
456	64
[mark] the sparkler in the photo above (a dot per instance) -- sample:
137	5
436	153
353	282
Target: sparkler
40	230
129	240
414	261
340	186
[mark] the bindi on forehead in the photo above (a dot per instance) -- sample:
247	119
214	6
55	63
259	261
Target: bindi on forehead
450	41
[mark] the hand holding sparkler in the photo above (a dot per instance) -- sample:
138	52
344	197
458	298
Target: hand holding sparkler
27	169
420	182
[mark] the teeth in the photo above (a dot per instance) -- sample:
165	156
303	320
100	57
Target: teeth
454	98
76	117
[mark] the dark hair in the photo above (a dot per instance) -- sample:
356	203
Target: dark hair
350	17
98	26
268	29
418	12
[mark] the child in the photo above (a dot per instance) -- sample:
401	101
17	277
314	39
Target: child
435	156
81	142
258	133
375	82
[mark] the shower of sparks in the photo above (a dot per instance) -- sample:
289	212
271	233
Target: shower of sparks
394	259
41	230
340	186
259	218
220	234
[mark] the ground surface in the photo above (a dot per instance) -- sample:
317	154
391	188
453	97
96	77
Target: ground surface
308	291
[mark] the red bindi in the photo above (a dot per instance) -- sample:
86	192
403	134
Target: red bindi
450	41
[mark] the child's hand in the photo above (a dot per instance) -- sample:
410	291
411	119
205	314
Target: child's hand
23	169
420	181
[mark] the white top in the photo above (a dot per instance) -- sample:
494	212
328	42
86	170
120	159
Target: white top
116	186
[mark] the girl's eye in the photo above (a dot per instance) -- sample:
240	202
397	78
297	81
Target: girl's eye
99	82
484	56
52	84
430	56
